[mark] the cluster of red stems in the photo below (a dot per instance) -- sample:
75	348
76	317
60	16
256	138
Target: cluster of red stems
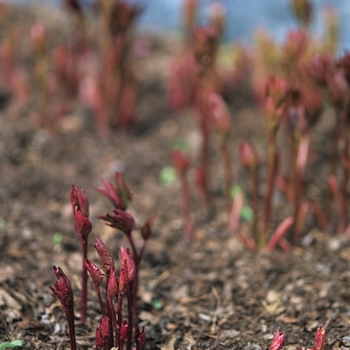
293	83
320	339
113	330
95	66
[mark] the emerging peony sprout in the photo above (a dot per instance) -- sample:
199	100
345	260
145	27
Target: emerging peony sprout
64	293
146	229
121	220
119	194
104	254
82	226
103	333
277	341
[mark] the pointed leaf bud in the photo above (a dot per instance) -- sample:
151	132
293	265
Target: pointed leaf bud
79	201
121	220
119	195
277	88
82	225
63	290
140	338
94	271
277	341
127	263
146	229
124	330
102	333
112	288
320	338
104	254
219	113
123	280
249	157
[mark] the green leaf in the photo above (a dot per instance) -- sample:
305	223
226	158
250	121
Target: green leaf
167	175
235	190
157	304
57	238
11	345
180	145
247	213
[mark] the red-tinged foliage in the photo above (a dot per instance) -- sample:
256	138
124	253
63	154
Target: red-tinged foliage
64	293
82	225
320	339
94	271
146	229
249	157
120	220
119	194
104	254
295	46
219	114
318	67
277	341
79	201
127	263
124	330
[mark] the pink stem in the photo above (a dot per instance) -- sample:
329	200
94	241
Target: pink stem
280	231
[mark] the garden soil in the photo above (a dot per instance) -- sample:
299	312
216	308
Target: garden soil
209	293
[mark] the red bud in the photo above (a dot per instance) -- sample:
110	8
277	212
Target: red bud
63	290
82	225
127	263
112	288
146	229
104	254
124	330
249	157
277	341
94	272
121	220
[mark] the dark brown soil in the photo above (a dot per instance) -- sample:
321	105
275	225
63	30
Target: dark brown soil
211	293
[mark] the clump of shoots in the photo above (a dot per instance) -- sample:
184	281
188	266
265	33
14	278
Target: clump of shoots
113	330
120	196
182	164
